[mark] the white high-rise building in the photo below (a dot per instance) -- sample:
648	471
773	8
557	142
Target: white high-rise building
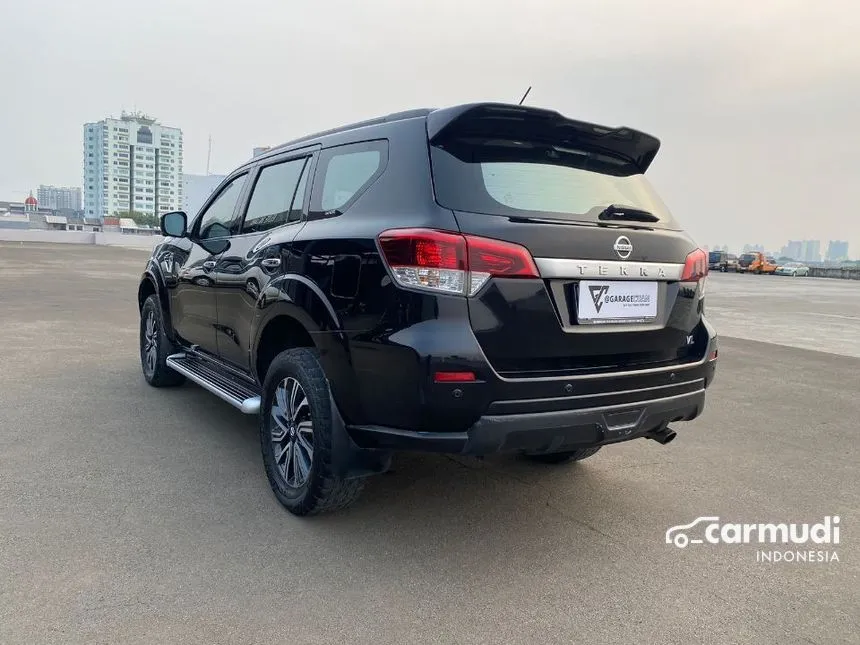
131	164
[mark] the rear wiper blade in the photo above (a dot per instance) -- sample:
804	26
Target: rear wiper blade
619	212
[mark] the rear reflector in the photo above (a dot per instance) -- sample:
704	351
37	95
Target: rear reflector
454	377
450	262
713	355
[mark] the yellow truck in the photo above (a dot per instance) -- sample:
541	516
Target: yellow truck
756	262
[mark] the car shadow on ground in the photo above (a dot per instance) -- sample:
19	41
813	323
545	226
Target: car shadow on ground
426	501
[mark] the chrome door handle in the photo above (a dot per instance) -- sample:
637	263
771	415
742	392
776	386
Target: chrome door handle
209	265
271	263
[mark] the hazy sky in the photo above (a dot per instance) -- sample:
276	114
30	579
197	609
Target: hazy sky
756	101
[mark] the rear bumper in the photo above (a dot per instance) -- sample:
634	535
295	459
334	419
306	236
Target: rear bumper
398	405
542	431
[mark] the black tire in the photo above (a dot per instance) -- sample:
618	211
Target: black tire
155	347
315	488
564	457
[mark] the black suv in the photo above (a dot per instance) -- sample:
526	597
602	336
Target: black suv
477	279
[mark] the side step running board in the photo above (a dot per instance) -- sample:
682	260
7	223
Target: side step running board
238	394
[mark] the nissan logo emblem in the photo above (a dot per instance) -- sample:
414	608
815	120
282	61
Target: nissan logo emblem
623	247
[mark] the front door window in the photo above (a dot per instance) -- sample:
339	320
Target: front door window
218	217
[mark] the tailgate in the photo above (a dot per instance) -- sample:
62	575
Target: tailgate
616	290
587	313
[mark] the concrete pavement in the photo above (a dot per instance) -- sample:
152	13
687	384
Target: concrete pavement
812	313
135	515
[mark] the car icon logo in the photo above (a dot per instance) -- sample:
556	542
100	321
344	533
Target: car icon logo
677	535
623	247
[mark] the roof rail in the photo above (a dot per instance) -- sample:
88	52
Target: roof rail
396	116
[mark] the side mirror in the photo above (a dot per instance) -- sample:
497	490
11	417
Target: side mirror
174	224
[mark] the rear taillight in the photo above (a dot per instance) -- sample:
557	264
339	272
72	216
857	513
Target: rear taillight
450	262
695	267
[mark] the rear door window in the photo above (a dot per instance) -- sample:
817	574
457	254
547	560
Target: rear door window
274	194
345	172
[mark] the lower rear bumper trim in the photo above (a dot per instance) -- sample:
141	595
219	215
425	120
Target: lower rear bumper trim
541	431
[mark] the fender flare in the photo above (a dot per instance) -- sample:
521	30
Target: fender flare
282	296
152	274
299	298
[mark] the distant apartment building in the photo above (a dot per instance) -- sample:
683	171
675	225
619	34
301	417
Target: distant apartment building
793	250
751	248
131	164
195	190
810	251
837	250
59	198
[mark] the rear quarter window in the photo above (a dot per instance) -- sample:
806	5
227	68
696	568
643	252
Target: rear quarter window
345	172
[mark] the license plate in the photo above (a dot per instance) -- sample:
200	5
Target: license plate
616	301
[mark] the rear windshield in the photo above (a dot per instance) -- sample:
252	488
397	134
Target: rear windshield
715	256
747	257
537	179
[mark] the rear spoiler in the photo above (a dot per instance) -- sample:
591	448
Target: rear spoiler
521	122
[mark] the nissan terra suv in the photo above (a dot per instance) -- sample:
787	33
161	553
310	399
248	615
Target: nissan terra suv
472	280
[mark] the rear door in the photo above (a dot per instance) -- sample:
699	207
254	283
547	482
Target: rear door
610	255
268	222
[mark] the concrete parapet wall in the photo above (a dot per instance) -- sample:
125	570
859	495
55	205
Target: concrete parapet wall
835	272
146	242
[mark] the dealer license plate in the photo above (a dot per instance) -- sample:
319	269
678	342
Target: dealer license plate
616	301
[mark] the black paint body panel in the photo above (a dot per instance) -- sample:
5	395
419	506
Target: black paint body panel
380	344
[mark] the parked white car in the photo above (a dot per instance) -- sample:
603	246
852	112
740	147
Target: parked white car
793	269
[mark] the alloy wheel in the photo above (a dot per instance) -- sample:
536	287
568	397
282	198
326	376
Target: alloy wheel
292	432
150	342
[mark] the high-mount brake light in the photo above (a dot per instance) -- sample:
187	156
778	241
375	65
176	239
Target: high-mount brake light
451	262
695	267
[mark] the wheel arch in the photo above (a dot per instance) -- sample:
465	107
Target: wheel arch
151	282
294	312
146	288
281	331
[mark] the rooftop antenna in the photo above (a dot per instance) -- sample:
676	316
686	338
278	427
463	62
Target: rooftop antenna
209	155
525	95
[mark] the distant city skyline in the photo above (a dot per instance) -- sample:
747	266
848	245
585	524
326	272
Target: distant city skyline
801	250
